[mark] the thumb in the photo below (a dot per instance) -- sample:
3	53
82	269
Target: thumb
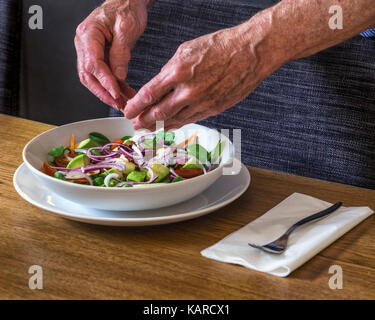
119	56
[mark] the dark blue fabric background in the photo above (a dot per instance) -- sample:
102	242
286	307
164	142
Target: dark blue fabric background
10	22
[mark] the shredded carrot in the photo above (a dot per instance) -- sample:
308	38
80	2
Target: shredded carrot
191	138
116	141
72	154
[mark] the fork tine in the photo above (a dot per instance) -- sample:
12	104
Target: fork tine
258	247
254	246
268	248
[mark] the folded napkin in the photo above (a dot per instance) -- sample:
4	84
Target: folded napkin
304	243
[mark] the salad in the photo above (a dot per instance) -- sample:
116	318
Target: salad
131	161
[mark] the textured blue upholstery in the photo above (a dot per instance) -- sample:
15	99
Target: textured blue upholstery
9	55
369	33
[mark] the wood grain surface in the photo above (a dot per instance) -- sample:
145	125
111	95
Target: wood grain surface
82	261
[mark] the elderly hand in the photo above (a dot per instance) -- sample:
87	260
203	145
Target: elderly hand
206	76
103	42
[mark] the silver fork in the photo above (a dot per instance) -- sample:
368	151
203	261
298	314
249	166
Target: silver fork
279	245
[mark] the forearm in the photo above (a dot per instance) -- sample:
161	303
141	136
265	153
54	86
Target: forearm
294	29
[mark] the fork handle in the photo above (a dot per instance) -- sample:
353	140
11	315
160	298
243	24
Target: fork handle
315	216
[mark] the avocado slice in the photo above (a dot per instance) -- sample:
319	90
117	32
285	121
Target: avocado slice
177	179
137	176
113	170
192	164
149	143
128	142
198	151
86	144
159	170
129	167
215	153
78	162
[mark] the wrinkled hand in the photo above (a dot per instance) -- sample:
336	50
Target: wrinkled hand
103	42
206	76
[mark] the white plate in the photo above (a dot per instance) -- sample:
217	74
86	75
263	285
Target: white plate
226	189
147	198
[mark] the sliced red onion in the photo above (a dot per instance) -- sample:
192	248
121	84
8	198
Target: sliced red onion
88	178
66	169
209	166
161	143
80	150
173	172
126	154
177	160
163	158
93	157
147	136
136	149
110	160
109	177
75	175
66	155
116	144
139	160
94	167
152	175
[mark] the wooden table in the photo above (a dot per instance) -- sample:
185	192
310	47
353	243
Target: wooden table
82	261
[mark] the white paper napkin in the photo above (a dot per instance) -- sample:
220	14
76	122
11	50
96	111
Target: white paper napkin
304	243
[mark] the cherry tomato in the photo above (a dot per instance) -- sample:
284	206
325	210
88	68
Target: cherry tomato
189	173
61	161
48	169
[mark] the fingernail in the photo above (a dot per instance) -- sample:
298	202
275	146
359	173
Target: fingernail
127	112
120	73
114	94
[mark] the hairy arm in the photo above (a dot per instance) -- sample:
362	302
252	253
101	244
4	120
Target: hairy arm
212	73
299	28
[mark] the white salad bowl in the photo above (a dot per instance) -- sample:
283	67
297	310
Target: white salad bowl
139	198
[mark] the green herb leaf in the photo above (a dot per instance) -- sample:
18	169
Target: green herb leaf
198	151
168	137
99	138
149	143
126	138
177	179
215	153
98	181
59	175
126	186
58	151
